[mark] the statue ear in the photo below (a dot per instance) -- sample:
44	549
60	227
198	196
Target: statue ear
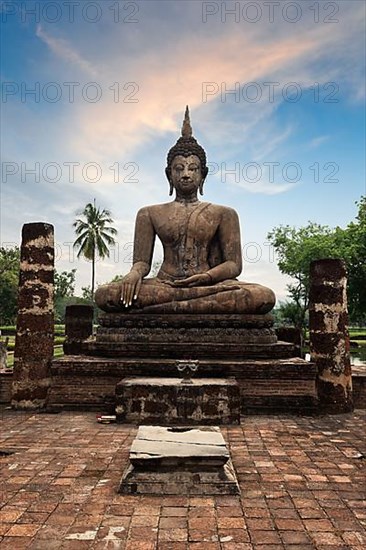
167	173
204	176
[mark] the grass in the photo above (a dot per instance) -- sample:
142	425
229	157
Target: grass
57	352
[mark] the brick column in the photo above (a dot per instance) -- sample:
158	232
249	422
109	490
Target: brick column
329	338
78	327
35	322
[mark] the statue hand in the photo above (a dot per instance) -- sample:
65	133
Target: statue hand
130	288
201	279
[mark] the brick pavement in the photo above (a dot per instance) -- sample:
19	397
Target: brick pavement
302	487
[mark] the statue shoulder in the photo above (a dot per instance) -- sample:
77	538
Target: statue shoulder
224	210
152	210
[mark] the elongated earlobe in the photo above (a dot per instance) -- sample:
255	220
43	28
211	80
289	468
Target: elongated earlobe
171	187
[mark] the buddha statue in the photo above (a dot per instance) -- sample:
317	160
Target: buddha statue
202	250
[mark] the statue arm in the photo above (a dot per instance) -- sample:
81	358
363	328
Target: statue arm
143	246
229	238
143	249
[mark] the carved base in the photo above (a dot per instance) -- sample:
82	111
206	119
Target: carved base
186	337
130	320
171	401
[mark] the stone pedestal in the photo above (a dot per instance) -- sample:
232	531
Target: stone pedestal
35	322
78	327
135	345
169	401
179	461
329	338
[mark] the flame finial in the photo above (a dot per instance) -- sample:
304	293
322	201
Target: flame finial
186	127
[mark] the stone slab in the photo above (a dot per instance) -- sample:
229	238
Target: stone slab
200	349
157	446
177	382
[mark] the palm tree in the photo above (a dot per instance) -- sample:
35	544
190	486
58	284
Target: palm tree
94	235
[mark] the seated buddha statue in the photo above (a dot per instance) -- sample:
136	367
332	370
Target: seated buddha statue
202	250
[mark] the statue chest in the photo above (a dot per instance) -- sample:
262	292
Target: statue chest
183	229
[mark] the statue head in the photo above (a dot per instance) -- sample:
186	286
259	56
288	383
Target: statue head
186	146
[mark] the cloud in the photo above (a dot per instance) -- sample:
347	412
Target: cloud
168	58
315	142
163	80
61	48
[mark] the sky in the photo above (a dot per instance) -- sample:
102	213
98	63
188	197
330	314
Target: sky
93	97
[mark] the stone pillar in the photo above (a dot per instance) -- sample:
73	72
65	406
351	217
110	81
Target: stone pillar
35	322
78	327
329	338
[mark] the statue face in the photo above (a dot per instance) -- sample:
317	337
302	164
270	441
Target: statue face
186	173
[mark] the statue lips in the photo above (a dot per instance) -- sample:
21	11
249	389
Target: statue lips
186	184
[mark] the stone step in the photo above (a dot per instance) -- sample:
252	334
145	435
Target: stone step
143	336
182	350
84	366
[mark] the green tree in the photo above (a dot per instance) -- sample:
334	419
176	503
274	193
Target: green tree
63	292
9	279
94	235
288	313
297	247
86	293
64	283
351	242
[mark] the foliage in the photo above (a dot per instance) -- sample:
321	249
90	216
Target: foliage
296	248
64	283
155	269
117	278
352	243
87	298
86	293
9	278
63	293
94	235
289	313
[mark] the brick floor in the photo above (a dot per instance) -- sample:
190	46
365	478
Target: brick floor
302	479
